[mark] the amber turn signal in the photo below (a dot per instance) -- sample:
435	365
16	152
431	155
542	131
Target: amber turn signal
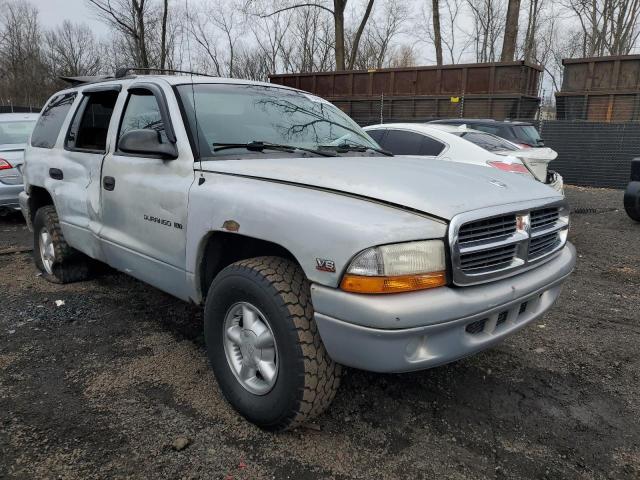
397	284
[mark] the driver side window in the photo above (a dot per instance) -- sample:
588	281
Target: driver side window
142	112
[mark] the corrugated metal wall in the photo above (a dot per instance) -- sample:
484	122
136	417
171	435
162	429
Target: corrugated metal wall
594	154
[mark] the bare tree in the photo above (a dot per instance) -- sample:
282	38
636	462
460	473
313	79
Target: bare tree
535	6
128	17
510	38
71	50
378	44
337	12
23	74
488	23
609	27
453	38
437	33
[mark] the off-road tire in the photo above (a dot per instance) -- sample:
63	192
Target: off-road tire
308	378
70	265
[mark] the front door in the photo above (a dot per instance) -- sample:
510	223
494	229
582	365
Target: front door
144	198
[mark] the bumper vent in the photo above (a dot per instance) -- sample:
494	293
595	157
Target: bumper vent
499	245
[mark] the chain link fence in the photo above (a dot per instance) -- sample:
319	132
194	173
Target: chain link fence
594	154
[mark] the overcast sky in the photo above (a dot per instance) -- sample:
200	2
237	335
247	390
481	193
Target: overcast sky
54	12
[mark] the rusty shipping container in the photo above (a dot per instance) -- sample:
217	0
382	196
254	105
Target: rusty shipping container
495	90
603	89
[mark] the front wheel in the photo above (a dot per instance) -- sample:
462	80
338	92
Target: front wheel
264	345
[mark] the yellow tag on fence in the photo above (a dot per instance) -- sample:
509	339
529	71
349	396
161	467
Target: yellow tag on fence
455	99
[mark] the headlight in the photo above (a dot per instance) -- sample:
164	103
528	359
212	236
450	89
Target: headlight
401	267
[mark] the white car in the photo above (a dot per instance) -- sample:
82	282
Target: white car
465	145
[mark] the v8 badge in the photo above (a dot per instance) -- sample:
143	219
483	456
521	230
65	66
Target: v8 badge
325	265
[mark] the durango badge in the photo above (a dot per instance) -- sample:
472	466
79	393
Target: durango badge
325	265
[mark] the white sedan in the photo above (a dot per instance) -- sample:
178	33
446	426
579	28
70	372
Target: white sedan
465	145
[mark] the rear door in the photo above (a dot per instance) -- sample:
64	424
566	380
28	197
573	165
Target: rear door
144	198
85	146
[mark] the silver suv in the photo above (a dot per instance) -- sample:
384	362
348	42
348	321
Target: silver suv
309	247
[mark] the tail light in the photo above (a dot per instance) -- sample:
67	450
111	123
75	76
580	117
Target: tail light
4	165
509	167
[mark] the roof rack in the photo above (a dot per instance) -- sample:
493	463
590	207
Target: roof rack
123	71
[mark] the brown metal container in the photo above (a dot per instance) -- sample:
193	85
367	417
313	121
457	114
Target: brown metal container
602	89
479	78
483	90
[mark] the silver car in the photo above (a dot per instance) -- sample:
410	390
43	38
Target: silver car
15	129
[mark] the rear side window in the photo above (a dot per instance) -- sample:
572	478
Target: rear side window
91	123
376	135
50	122
430	146
488	142
142	112
400	142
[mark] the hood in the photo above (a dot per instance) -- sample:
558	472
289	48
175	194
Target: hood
435	187
536	159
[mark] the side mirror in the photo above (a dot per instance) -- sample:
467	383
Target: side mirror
147	142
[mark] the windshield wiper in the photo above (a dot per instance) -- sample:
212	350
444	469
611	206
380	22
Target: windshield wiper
356	147
258	146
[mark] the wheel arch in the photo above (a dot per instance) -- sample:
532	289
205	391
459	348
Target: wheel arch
38	198
219	249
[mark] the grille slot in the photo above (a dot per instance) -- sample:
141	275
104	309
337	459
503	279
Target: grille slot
543	244
485	229
544	217
493	258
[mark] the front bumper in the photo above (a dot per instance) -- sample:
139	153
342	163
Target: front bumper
418	330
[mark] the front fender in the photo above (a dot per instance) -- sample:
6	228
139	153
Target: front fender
310	223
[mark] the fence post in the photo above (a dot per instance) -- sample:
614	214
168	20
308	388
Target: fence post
381	108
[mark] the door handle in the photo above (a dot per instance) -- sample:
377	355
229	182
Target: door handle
56	173
109	183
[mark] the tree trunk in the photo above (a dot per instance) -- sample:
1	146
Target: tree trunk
163	39
338	20
437	36
356	40
510	31
142	41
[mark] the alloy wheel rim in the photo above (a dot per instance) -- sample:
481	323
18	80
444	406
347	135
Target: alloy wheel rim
250	348
47	252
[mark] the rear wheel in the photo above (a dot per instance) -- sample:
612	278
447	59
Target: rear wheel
264	346
58	262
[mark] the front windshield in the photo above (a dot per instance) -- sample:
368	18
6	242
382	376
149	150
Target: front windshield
15	132
240	114
487	141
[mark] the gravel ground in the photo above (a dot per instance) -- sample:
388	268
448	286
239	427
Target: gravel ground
104	385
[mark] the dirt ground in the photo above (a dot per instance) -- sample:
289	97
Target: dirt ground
102	386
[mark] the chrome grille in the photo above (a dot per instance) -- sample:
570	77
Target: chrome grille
487	228
484	259
543	244
544	217
500	244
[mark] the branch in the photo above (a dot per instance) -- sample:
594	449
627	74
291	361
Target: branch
297	6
